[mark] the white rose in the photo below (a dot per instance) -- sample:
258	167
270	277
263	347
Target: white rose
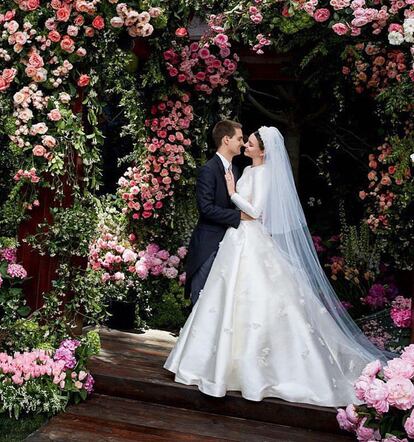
25	114
117	22
18	98
408	25
412	158
64	97
395	38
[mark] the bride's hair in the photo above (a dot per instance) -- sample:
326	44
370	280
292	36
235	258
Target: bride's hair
259	139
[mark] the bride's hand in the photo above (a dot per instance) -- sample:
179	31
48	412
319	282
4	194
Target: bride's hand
231	185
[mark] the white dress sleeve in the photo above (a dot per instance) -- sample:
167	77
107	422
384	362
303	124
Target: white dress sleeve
255	207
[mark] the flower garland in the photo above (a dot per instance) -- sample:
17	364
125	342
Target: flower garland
144	188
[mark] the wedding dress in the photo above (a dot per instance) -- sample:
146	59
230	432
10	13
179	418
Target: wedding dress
257	327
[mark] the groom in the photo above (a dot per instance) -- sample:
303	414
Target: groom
216	211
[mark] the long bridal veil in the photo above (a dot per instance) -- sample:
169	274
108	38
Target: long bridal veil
284	219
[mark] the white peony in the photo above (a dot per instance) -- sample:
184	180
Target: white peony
395	38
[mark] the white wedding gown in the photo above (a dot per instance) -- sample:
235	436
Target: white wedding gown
249	330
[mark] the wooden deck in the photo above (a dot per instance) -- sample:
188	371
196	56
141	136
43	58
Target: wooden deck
137	400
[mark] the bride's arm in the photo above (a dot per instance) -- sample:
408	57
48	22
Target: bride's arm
255	208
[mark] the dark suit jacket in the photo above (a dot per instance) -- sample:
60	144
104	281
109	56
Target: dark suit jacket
217	213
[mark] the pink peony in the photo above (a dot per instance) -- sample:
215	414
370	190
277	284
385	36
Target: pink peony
409	425
363	433
372	369
343	421
376	396
361	385
399	368
400	393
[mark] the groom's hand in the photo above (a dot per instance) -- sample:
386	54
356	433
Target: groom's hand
245	217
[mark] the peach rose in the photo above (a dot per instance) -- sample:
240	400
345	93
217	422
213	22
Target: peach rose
39	150
9	74
54	36
56	4
49	141
63	13
20	38
83	80
38	128
32	4
30	71
36	60
67	44
40	76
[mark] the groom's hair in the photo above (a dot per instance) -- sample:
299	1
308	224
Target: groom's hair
223	128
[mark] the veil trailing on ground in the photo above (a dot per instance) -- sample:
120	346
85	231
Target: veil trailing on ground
284	219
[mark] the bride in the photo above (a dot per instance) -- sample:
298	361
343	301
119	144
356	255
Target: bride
268	323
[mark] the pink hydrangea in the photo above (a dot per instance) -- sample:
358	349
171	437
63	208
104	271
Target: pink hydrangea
16	271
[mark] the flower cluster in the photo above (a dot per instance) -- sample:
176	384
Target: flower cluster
52	376
144	189
372	67
401	312
120	261
138	24
385	178
205	65
380	295
156	262
383	391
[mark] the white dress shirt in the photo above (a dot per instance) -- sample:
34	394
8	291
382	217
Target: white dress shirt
226	163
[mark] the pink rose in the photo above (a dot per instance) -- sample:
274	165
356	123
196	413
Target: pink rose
36	60
38	150
321	15
49	141
56	4
181	32
351	414
54	115
9	74
340	28
400	393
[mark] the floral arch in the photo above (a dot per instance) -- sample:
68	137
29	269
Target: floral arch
82	80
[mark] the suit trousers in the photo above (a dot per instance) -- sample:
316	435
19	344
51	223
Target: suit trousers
200	277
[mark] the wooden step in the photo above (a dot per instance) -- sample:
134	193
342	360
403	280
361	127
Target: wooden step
131	366
104	418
